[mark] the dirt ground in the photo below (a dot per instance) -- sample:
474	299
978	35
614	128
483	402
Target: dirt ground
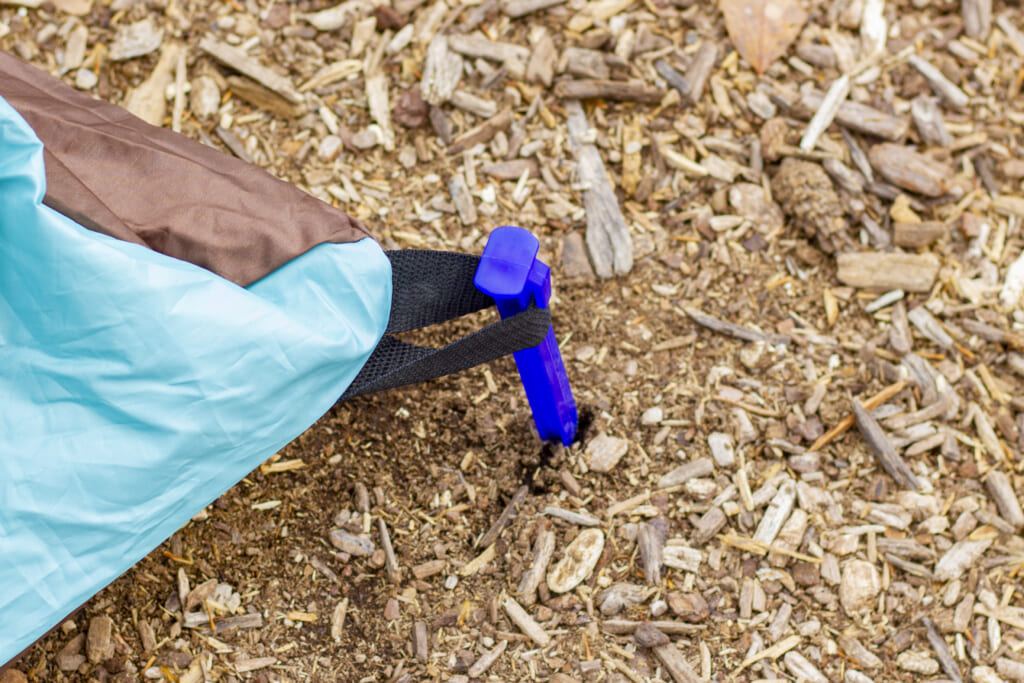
824	567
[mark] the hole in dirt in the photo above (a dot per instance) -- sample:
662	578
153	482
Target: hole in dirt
547	452
584	423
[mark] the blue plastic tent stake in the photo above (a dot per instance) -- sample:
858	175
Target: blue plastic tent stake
510	273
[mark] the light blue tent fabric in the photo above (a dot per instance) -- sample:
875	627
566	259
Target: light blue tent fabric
136	388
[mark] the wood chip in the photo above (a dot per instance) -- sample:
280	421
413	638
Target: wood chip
234	58
880	445
858	117
482	133
668	654
390	561
520	8
525	622
598	89
733	330
580	558
505	518
882	271
1001	490
487	660
608	237
942	86
543	551
263	98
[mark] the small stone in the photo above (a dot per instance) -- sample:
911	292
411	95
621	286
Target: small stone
749	201
604	452
620	596
136	40
658	608
580	558
13	676
410	109
70	656
858	586
99	644
806	574
652	416
391	609
647	635
722	449
356	546
918	663
204	99
330	148
407	156
86	79
690	607
367	138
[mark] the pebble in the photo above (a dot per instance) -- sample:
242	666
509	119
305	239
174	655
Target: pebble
620	596
367	138
70	656
652	416
204	100
136	40
580	558
722	450
585	353
356	546
918	663
13	676
858	586
330	148
604	452
690	607
658	608
749	201
86	79
99	644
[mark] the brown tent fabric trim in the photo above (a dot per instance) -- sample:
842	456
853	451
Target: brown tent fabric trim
116	174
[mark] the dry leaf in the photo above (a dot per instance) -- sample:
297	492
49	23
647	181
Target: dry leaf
761	30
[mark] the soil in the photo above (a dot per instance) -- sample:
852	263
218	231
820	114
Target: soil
438	463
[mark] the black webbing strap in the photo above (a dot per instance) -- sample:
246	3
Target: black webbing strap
431	287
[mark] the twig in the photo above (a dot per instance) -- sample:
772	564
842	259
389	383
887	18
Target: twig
732	329
848	421
942	651
883	448
390	561
504	519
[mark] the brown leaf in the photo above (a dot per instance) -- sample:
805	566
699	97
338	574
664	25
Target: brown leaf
761	30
